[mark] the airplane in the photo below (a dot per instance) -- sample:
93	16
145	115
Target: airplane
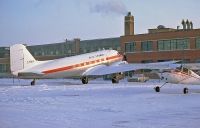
180	75
23	65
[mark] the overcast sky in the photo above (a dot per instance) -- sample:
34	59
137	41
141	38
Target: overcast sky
52	21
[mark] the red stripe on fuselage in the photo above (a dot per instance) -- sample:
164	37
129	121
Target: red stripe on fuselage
81	64
113	57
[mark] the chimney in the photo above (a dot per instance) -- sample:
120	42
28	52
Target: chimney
184	24
129	24
188	24
191	25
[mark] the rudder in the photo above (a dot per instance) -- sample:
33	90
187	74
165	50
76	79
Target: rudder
20	58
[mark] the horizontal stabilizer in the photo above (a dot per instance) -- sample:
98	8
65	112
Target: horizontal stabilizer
30	74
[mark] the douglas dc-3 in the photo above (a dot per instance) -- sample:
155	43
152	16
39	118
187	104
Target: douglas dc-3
23	65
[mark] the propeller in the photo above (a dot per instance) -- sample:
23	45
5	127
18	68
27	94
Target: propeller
124	57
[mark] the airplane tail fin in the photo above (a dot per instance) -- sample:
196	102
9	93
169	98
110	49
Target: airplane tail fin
20	58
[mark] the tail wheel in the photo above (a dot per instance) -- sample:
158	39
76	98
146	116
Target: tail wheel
84	80
157	89
185	90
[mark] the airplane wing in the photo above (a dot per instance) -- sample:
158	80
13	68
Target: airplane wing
192	66
105	70
30	74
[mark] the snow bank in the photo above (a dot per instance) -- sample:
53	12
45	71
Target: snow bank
100	104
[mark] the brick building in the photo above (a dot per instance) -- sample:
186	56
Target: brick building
161	43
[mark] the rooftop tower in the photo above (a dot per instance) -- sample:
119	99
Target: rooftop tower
129	24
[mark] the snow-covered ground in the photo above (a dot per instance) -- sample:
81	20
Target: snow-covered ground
100	104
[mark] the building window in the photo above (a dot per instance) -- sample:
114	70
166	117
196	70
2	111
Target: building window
4	68
51	53
167	45
146	46
130	47
174	44
183	44
57	52
198	43
160	45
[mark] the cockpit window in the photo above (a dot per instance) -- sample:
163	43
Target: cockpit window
185	70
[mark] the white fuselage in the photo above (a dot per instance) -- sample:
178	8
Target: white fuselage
182	77
73	66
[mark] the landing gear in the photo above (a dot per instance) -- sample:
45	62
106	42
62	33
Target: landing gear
115	80
185	90
116	77
157	89
84	80
33	82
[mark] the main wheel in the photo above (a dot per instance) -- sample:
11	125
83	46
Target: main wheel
84	80
33	82
157	89
185	90
115	80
